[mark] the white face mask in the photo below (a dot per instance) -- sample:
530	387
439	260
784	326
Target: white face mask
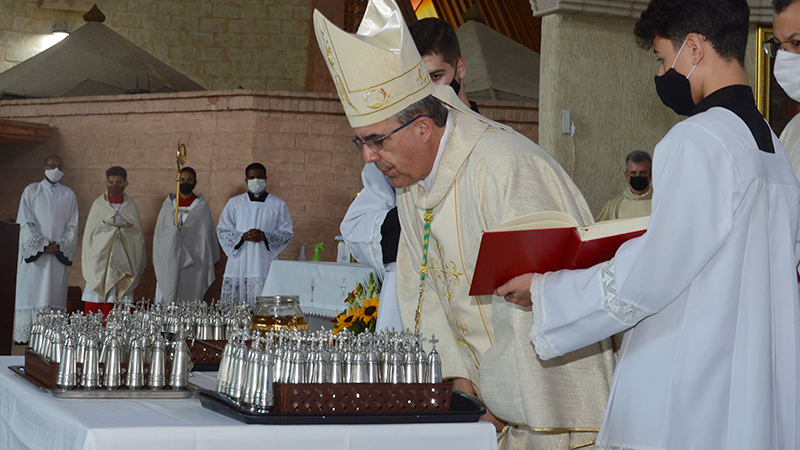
787	72
256	185
53	175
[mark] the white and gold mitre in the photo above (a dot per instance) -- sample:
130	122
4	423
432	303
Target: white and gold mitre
378	71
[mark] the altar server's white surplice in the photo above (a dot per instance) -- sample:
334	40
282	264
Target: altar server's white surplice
248	262
184	256
361	229
47	212
710	291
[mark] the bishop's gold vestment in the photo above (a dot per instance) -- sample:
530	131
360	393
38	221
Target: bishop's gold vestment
487	175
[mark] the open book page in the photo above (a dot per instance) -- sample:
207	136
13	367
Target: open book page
613	228
538	221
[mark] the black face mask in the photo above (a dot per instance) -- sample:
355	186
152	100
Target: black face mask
186	188
455	85
675	91
639	183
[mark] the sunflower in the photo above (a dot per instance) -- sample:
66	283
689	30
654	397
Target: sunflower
343	321
370	310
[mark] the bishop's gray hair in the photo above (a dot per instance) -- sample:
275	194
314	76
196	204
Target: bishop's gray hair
638	157
428	106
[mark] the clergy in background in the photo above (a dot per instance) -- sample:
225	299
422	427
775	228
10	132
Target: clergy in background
371	226
635	199
48	238
112	256
254	228
458	174
709	293
184	255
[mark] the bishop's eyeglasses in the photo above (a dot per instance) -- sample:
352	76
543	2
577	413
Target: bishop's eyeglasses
377	142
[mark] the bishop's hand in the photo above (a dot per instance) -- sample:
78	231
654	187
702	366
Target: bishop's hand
517	290
465	385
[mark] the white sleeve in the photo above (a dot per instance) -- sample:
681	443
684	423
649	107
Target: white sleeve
279	237
361	226
691	206
31	240
229	238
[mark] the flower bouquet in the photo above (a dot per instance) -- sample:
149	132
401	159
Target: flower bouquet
362	308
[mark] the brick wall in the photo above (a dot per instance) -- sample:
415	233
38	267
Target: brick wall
256	44
302	138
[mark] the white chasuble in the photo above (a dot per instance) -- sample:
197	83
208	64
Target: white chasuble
487	175
248	262
47	213
112	258
184	256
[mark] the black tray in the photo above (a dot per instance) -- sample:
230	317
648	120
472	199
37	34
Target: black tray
463	408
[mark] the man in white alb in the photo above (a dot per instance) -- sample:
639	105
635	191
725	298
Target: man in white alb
48	238
709	293
112	254
184	255
254	228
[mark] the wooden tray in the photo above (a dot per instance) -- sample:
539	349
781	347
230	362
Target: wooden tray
463	408
102	393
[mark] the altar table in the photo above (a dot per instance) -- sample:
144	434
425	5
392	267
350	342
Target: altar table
30	419
321	286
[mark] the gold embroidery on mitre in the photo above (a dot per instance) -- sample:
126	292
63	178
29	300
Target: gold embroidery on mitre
457	324
377	98
422	75
446	273
330	56
342	94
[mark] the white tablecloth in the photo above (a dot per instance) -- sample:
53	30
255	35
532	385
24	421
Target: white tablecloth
322	286
30	419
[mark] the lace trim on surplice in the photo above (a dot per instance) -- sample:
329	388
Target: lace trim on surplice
627	312
31	242
544	348
241	289
68	242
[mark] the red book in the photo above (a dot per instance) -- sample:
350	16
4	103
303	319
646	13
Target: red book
546	242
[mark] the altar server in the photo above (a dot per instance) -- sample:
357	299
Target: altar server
713	358
458	174
254	228
48	238
371	226
184	255
112	254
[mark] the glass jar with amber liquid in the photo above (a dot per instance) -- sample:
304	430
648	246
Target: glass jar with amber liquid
278	312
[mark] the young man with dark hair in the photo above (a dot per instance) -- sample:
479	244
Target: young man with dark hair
184	254
112	253
709	292
437	42
254	228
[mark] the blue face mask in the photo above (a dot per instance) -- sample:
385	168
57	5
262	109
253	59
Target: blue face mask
674	89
